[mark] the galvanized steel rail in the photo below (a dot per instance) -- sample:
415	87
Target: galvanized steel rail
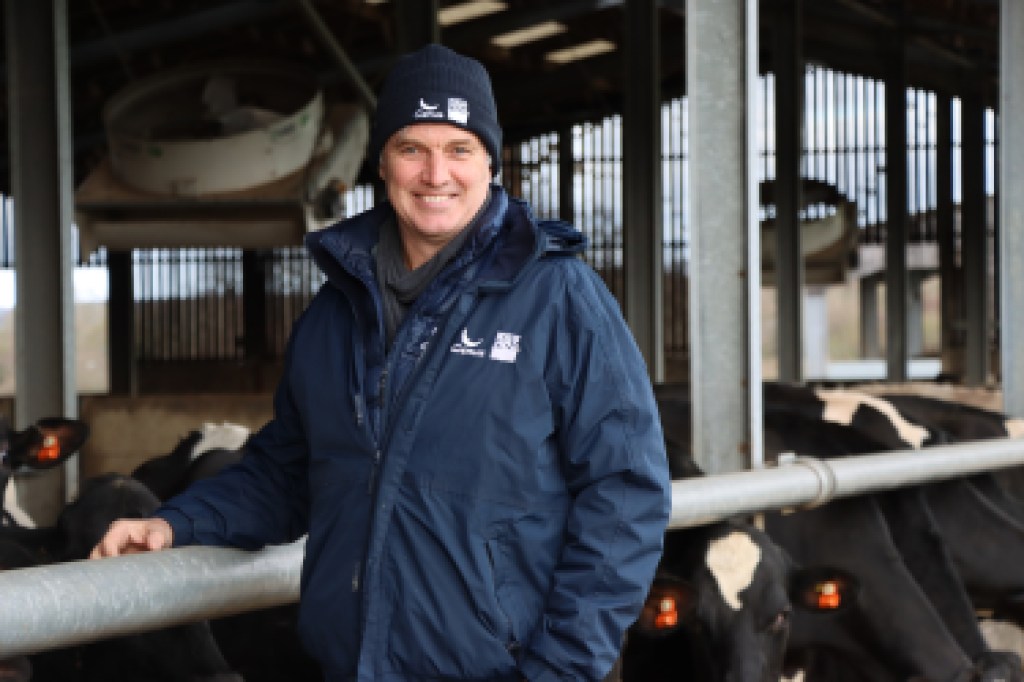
59	605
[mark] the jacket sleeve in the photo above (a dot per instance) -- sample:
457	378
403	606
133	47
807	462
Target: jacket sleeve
263	499
613	458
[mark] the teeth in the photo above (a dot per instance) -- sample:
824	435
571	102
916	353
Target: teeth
434	199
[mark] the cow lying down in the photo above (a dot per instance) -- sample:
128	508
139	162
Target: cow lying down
913	617
185	653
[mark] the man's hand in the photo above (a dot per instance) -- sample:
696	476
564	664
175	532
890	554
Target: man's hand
129	536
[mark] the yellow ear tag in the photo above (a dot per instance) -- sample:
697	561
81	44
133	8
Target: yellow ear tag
668	614
50	451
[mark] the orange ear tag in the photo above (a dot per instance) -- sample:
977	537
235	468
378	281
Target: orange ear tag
828	596
668	614
50	451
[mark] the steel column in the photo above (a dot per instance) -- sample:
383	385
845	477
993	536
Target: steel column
121	324
641	180
566	175
974	242
951	290
725	264
1011	204
41	180
896	354
416	24
789	118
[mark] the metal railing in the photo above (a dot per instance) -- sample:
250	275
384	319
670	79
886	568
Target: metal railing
64	604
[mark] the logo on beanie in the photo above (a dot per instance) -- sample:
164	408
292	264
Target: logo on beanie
427	111
458	110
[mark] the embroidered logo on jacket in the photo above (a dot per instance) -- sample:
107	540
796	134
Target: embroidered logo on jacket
506	347
467	346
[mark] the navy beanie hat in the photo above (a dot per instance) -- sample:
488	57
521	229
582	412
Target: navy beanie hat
437	85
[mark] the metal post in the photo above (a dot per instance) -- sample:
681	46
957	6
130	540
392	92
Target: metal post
869	345
566	175
41	179
789	117
641	180
1011	204
951	289
897	357
416	24
121	324
974	242
725	324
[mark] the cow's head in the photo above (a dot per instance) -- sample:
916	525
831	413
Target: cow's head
721	605
46	443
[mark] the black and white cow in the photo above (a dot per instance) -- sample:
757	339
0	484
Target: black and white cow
724	595
45	444
263	646
201	453
184	653
896	629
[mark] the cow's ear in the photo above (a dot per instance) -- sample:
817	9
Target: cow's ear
48	443
823	589
669	602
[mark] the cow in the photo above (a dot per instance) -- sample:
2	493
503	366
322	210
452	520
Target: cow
723	596
183	653
263	646
199	454
856	534
43	445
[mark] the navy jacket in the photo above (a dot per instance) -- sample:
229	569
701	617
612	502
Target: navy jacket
484	502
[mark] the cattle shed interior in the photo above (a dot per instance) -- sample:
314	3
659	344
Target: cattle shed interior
720	157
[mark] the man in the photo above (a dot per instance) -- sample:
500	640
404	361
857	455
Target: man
465	427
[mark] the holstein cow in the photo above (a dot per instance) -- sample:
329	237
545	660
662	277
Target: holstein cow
45	444
981	522
723	598
263	646
923	549
894	630
185	653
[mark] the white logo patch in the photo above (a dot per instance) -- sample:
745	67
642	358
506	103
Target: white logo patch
427	110
467	346
506	347
732	561
458	110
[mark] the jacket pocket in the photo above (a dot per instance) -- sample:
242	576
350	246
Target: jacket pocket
505	629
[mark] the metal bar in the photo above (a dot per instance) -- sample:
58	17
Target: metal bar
73	603
811	482
64	604
323	33
1011	204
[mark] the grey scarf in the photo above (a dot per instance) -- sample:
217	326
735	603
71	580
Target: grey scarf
400	286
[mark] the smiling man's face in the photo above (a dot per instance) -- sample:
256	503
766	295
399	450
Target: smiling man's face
437	178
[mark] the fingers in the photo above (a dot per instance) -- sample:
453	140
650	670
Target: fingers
128	536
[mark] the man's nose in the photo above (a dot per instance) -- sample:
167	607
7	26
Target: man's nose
435	169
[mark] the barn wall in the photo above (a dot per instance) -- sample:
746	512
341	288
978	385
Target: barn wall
125	431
